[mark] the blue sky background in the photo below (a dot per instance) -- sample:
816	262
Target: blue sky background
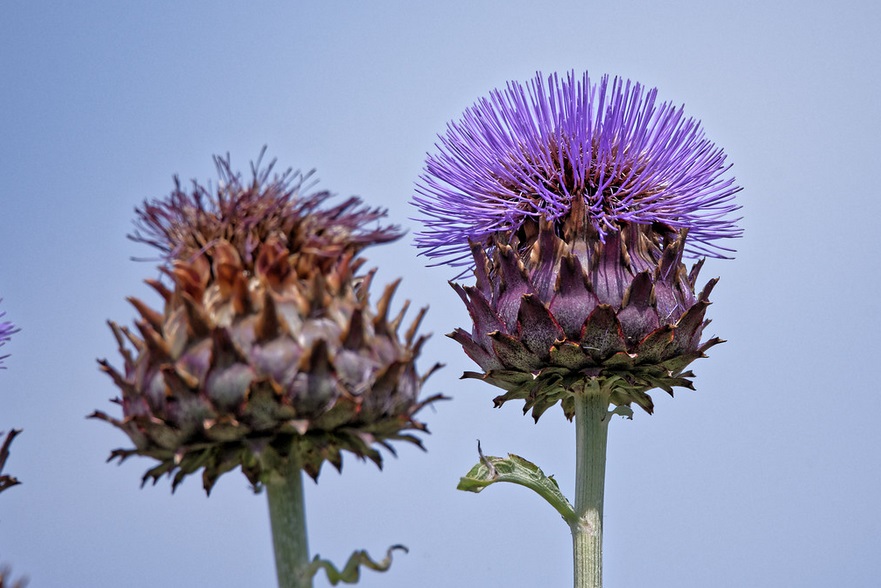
767	476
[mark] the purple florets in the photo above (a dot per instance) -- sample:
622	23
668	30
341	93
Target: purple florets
7	329
527	151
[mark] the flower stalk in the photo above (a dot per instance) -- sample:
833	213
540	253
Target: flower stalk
591	434
287	515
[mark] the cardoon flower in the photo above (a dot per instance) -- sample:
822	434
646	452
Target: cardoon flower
575	203
267	355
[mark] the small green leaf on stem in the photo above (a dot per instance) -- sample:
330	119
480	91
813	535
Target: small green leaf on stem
516	470
622	410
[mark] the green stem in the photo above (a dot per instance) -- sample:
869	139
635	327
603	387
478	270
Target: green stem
287	515
592	427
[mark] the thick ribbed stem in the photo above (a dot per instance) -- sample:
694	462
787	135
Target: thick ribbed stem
287	515
592	427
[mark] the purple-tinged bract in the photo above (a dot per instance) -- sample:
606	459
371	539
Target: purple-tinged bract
528	151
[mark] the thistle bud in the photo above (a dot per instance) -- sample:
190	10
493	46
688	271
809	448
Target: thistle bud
267	344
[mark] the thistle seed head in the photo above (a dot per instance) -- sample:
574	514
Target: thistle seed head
267	345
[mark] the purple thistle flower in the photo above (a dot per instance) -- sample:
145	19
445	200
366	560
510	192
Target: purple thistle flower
528	151
576	202
7	329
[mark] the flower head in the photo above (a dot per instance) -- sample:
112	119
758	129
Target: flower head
267	346
529	152
575	203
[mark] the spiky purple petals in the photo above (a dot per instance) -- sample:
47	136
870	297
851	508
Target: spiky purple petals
528	152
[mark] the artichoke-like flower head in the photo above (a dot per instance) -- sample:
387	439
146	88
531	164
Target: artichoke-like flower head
267	344
574	203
